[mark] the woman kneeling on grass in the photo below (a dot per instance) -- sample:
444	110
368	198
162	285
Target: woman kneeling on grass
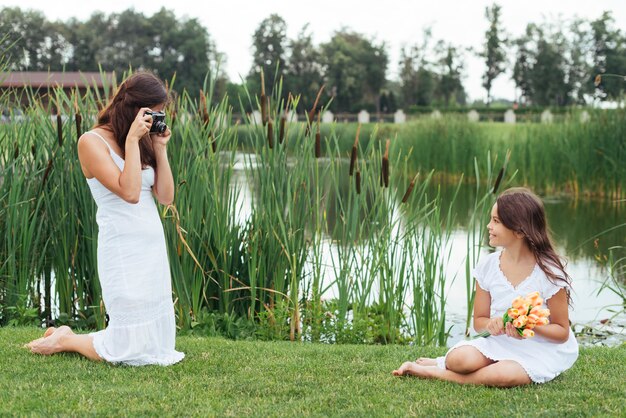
125	162
526	263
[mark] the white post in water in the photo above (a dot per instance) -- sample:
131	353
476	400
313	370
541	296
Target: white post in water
473	116
436	114
509	116
364	117
399	116
256	117
546	116
328	117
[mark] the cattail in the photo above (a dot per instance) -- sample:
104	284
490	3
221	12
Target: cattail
79	124
313	110
264	101
204	108
60	129
33	150
318	141
16	151
47	172
281	128
384	173
501	172
270	133
213	142
354	150
357	180
410	189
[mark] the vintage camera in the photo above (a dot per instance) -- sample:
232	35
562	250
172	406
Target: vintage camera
158	122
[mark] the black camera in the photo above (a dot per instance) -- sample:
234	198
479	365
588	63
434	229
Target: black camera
158	122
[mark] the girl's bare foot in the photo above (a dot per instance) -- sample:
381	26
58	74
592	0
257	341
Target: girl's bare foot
51	344
410	368
425	361
49	332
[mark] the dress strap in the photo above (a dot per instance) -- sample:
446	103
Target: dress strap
103	140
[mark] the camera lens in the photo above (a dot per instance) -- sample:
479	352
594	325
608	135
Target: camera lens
160	127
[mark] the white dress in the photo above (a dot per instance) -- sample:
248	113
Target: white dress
135	277
542	359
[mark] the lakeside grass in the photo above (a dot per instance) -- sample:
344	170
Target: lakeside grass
240	378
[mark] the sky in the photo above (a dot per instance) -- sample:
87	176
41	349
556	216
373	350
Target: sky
398	23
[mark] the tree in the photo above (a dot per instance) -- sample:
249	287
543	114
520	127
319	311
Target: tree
609	57
269	51
523	67
494	53
450	64
355	71
304	69
33	43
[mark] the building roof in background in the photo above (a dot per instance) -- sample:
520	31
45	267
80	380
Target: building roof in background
54	79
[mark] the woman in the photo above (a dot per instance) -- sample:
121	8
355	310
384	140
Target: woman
125	165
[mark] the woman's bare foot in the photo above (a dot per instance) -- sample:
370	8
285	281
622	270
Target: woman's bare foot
425	361
51	344
410	368
49	332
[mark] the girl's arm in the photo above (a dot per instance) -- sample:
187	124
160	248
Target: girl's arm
558	329
163	188
482	312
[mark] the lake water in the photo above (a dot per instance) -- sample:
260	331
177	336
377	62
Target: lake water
574	225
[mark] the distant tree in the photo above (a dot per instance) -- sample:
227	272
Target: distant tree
304	69
493	52
523	65
609	57
579	61
32	42
355	70
269	45
449	85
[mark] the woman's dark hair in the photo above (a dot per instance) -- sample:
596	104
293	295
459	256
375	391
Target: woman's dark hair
520	210
142	89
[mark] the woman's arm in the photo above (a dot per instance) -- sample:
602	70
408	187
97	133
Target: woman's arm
558	329
96	161
163	188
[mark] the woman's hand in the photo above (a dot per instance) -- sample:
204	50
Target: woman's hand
512	332
161	140
495	326
140	126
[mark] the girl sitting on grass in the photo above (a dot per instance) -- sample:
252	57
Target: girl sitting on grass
526	263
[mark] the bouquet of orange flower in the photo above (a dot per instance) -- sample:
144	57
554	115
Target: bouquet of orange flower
525	314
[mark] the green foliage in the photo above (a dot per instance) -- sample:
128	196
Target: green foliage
493	52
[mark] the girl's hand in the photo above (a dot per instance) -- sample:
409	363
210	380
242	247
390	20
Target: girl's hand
140	126
511	331
161	139
495	326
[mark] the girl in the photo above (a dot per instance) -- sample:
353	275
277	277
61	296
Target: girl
125	166
526	263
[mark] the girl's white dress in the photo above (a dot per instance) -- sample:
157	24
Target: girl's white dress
135	277
542	359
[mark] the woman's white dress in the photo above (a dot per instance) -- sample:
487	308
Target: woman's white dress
542	359
135	277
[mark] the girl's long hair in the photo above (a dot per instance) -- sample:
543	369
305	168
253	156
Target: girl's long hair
520	210
142	89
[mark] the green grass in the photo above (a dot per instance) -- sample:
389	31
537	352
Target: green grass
227	378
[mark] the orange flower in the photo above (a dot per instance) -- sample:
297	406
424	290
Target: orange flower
534	299
542	321
543	313
535	310
519	303
520	321
513	313
528	333
532	320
